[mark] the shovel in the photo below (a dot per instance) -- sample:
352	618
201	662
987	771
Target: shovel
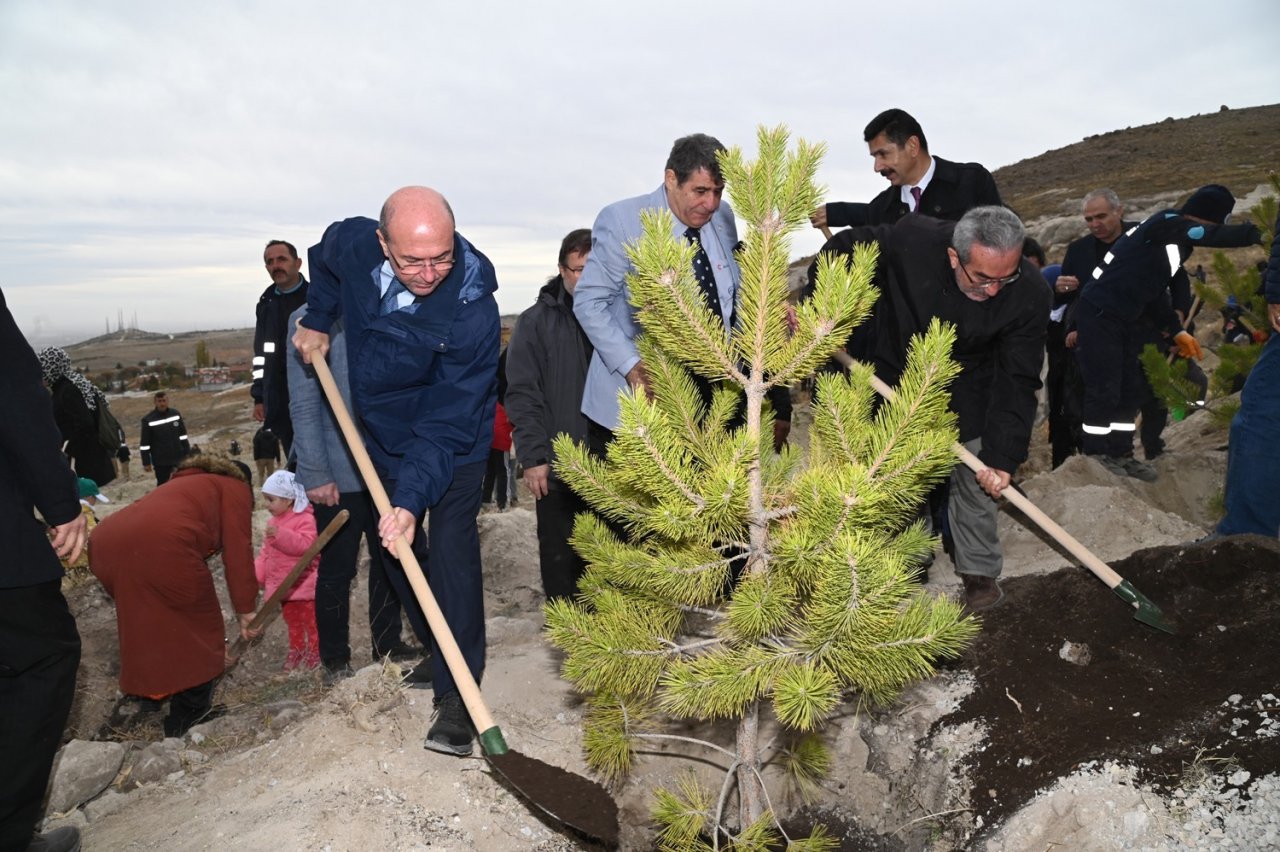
271	606
570	799
1146	611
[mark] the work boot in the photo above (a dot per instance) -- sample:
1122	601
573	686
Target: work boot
419	677
980	592
400	652
64	839
1114	464
451	733
332	673
1139	469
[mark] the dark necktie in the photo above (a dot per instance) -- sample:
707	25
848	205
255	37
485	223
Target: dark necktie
389	298
702	272
915	196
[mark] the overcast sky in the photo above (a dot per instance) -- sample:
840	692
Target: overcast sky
148	150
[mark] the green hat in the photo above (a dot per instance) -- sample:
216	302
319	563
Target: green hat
89	488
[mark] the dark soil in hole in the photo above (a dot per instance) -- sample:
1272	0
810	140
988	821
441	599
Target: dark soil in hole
1141	688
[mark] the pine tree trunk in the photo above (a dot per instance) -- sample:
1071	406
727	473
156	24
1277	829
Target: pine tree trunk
750	791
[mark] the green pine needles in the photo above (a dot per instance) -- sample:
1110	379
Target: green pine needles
727	582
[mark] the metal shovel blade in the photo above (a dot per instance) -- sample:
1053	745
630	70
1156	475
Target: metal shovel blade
581	804
1145	611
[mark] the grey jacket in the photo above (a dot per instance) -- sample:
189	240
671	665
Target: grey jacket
547	362
322	453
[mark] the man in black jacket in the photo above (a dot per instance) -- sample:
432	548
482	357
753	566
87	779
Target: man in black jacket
546	366
919	182
39	645
163	439
287	293
1132	284
970	274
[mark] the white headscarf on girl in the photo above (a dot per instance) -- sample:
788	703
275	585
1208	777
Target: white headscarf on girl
284	484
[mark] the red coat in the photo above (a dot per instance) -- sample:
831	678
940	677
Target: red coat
150	556
501	430
295	532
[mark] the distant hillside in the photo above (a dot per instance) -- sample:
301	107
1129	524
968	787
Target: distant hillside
231	346
1146	165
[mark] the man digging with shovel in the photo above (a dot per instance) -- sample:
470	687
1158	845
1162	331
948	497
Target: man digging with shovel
422	326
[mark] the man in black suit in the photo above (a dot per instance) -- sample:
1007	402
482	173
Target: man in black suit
39	645
919	182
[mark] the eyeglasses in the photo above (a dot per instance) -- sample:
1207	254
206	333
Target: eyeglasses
438	264
576	270
983	281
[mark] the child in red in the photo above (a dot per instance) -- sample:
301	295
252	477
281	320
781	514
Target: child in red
290	531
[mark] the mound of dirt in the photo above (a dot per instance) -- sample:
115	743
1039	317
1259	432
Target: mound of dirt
1064	674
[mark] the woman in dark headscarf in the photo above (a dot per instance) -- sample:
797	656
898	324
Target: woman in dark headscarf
75	410
150	556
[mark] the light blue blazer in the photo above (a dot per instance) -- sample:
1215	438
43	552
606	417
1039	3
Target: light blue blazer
601	304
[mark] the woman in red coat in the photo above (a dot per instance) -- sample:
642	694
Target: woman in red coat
150	556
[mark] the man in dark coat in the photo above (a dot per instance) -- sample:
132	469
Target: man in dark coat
416	300
919	182
163	440
287	293
1131	284
39	645
546	364
970	274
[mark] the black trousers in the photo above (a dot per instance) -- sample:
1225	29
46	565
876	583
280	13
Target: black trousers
454	576
338	567
561	565
163	472
39	654
495	476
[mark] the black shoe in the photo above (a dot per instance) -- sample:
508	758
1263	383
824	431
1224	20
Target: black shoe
177	726
333	673
401	652
419	677
451	733
64	839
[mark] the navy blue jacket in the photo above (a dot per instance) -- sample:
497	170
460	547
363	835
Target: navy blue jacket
33	471
1147	258
424	379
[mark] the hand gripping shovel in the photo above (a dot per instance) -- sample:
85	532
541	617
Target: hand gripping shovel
1146	611
570	799
271	606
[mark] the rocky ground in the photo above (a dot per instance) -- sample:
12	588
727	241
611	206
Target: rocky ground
1068	724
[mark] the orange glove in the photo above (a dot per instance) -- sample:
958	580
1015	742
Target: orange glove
1188	346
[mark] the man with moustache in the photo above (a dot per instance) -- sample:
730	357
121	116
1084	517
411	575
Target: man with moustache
918	181
421	322
287	293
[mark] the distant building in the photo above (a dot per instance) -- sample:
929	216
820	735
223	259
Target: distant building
213	378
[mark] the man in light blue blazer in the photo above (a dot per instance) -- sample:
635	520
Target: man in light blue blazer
692	190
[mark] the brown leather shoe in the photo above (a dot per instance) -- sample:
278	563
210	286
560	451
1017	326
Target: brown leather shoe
981	592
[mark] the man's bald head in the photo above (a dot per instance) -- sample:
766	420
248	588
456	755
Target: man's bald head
414	201
415	229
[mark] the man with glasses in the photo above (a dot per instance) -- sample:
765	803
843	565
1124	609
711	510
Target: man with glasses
546	371
422	329
972	275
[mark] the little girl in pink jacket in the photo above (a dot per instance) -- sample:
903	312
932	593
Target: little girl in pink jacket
290	531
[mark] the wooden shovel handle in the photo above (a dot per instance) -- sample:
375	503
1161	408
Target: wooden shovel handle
1100	569
271	606
445	642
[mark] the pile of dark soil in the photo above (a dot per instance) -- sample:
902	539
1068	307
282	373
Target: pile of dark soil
1135	695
